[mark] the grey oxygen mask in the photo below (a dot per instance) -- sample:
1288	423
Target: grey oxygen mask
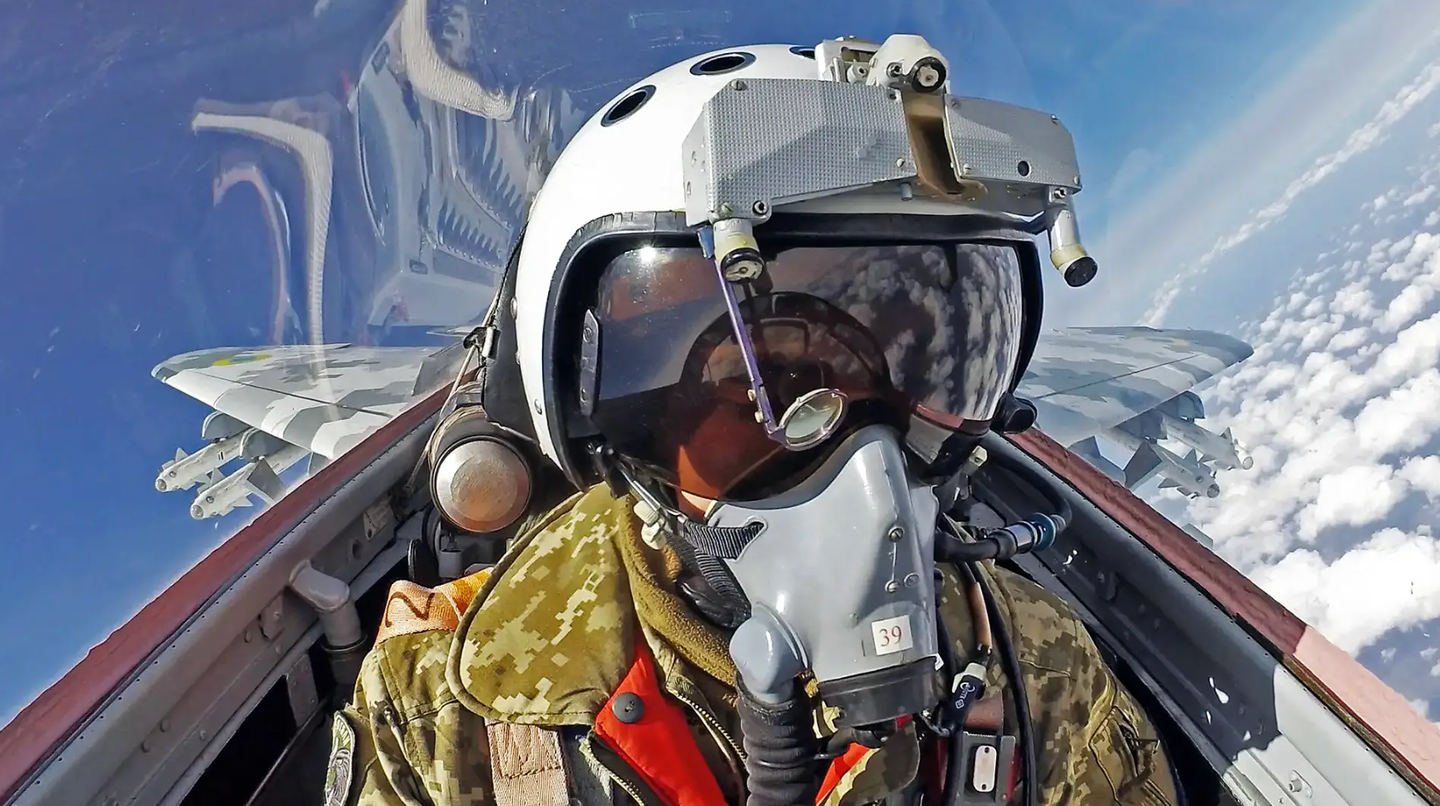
840	579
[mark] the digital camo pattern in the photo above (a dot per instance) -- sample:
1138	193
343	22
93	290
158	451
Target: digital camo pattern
415	742
546	643
325	399
554	634
1108	375
1094	744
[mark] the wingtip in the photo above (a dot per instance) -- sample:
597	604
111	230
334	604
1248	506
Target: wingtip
1237	349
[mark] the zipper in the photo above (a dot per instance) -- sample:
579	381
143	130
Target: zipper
734	755
608	760
718	732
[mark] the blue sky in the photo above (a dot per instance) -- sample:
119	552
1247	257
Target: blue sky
114	260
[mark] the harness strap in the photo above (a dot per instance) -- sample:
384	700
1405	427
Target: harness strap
527	766
986	715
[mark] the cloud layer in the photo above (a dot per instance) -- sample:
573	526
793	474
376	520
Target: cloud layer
1340	406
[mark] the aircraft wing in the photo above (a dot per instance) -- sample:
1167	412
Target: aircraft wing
324	399
277	405
1086	380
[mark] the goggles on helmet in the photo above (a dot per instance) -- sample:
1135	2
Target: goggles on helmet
689	370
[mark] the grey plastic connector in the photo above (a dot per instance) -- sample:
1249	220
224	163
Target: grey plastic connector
975	461
653	532
450	560
766	656
331	599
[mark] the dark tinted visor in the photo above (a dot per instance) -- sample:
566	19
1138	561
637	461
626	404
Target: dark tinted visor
928	329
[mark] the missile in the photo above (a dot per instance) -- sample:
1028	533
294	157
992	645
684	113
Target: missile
285	458
1221	448
1187	474
186	470
259	478
1200	537
255	478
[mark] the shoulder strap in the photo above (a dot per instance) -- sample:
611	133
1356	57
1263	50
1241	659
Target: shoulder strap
986	715
527	766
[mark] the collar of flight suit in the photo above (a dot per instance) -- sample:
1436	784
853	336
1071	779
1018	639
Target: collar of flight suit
551	634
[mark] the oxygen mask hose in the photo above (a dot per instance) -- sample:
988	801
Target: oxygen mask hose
780	750
1035	533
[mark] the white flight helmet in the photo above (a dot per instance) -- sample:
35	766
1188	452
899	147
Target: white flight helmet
624	159
620	187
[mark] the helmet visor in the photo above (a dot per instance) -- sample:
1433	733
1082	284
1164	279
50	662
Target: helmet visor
929	329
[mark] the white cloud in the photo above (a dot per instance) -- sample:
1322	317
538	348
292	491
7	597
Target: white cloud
1355	496
1356	300
1390	581
1423	473
1340	404
1405	307
1419	196
1346	340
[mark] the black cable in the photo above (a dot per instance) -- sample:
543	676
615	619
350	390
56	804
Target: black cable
1057	501
1029	772
425	526
942	635
951	549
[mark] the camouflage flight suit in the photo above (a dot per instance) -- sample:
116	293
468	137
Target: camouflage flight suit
545	639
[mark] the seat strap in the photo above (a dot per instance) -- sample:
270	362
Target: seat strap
527	766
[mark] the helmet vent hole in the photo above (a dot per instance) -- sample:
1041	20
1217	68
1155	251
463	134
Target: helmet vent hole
808	53
628	105
722	63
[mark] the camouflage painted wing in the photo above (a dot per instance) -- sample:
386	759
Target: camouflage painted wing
1084	380
323	399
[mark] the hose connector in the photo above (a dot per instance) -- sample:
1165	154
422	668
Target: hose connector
1044	529
1035	533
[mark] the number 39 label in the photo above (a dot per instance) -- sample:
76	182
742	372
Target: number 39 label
891	635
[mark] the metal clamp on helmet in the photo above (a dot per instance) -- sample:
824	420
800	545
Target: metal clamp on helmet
904	61
884	120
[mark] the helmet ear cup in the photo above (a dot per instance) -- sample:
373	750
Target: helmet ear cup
482	478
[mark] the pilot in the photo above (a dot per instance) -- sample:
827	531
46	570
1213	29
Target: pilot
760	419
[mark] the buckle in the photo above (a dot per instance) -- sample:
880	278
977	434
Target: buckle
987	757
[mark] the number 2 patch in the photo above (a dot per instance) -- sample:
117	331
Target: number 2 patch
342	761
891	635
